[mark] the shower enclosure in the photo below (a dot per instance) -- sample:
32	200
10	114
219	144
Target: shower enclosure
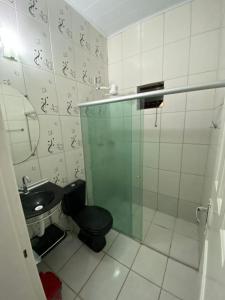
112	138
112	132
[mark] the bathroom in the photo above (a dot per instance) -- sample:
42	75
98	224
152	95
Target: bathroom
73	129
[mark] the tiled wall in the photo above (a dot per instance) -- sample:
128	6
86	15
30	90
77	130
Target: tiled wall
213	243
181	47
60	57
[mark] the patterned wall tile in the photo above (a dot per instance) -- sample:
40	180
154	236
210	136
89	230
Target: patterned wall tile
29	168
63	57
11	75
74	164
36	9
41	90
67	96
53	168
35	38
50	136
71	133
60	18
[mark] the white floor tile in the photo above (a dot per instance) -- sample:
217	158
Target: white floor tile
78	269
148	213
146	226
181	281
186	228
106	281
150	264
42	267
185	250
164	220
124	250
67	293
166	296
159	238
110	238
137	287
61	253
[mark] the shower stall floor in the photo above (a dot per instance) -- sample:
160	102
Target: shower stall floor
171	236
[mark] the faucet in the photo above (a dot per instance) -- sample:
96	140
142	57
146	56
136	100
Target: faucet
25	180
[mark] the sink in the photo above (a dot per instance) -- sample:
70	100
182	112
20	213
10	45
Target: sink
41	199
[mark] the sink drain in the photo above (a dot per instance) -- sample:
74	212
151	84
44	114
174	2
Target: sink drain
39	207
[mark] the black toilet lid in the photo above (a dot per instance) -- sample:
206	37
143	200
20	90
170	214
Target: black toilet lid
95	220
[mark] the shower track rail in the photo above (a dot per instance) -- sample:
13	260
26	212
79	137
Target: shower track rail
213	85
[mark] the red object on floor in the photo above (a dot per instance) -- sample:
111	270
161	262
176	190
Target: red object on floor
51	285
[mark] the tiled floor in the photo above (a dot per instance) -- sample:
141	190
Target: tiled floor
124	270
171	236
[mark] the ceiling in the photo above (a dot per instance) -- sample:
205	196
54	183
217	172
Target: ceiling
110	16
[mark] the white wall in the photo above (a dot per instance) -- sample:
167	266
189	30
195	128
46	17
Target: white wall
180	47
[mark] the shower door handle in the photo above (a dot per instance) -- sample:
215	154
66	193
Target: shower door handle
202	209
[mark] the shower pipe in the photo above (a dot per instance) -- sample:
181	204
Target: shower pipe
213	85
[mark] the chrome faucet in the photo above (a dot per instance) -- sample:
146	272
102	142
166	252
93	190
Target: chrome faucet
25	180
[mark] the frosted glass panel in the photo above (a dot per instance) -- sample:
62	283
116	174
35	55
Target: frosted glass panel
112	139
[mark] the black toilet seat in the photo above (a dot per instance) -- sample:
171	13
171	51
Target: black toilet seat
94	220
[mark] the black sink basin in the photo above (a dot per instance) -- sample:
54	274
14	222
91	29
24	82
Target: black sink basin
41	199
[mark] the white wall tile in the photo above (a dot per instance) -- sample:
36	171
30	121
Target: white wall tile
176	102
206	15
152	33
151	155
172	126
131	71
186	210
167	204
151	132
176	59
178	23
150	199
150	179
197	127
204	52
194	159
151	66
222	50
115	48
170	157
115	74
169	183
199	100
191	187
131	41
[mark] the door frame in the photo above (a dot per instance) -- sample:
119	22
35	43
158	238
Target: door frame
17	264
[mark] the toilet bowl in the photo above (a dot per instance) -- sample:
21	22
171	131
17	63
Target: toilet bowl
94	221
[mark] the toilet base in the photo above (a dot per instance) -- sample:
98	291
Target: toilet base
96	243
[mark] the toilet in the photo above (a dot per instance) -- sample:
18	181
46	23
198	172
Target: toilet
94	221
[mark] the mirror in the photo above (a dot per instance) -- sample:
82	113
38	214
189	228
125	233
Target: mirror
21	123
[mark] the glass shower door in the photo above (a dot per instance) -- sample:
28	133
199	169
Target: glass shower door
112	153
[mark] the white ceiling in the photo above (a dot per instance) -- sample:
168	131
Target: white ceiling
109	16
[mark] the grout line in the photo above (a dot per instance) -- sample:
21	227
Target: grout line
104	254
130	269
